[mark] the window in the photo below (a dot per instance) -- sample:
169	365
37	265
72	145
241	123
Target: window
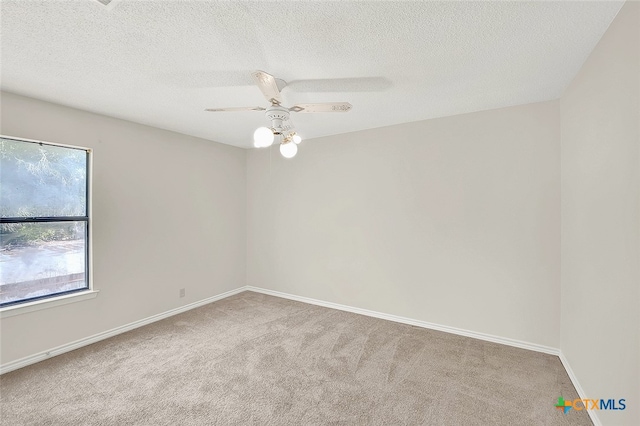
44	220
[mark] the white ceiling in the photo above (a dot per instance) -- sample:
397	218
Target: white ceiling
162	63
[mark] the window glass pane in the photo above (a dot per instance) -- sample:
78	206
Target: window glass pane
40	259
41	180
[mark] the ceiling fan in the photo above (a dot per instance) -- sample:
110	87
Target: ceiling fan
278	115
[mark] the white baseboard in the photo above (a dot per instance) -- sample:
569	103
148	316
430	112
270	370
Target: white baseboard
417	323
31	359
41	356
581	393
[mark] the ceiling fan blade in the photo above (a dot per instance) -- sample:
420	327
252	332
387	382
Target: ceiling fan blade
267	84
235	109
328	107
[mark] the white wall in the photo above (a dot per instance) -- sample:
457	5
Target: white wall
169	213
600	124
454	221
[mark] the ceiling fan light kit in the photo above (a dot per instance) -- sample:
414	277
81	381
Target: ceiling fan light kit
263	137
279	116
288	149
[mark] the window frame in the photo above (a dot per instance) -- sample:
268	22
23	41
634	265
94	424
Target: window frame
69	296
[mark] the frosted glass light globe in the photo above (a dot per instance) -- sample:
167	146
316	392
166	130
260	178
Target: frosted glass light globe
288	150
262	137
297	139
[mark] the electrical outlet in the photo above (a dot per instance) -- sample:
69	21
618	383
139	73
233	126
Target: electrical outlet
182	292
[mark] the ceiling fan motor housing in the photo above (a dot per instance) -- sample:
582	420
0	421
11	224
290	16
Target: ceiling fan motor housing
277	115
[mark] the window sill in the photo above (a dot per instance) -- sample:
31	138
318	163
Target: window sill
37	305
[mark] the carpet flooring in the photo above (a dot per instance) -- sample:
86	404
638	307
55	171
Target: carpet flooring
263	360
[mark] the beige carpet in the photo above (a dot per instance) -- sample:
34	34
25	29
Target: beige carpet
256	359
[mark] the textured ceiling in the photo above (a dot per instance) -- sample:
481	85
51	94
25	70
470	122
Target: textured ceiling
162	63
